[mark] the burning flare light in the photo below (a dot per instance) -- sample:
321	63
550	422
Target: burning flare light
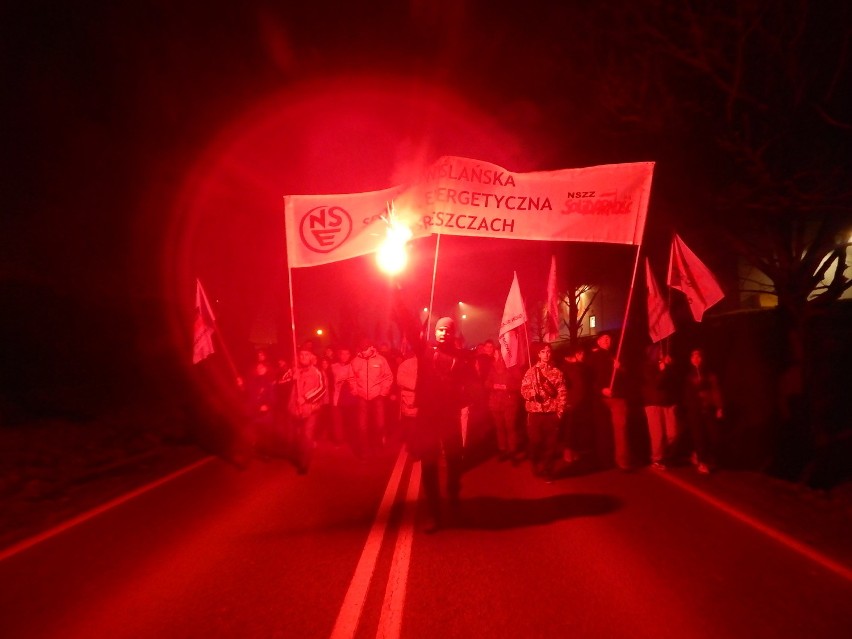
392	256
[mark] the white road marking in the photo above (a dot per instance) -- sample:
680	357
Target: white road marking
353	602
782	538
94	512
390	622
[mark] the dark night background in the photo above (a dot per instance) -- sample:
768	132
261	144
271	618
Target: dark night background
123	121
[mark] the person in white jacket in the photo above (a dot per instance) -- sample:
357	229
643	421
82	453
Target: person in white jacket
373	380
305	399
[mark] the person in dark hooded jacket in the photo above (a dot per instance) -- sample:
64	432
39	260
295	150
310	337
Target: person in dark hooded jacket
445	377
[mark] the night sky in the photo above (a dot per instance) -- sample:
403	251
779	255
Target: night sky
150	143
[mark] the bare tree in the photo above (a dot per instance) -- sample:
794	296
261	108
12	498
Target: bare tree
757	89
765	78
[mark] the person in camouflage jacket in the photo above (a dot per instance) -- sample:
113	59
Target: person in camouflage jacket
543	389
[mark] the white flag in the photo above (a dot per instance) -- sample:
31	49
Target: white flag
514	316
688	274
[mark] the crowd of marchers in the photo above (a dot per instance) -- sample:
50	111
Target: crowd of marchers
567	412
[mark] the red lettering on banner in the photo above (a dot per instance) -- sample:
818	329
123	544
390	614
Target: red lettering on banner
605	204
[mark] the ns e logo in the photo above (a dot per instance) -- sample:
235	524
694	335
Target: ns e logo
324	228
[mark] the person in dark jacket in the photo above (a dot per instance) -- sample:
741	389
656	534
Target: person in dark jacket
504	401
610	405
445	376
659	396
702	403
576	422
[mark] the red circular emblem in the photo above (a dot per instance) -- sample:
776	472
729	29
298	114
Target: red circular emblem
324	228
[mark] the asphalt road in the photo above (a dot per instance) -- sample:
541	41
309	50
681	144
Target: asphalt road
218	552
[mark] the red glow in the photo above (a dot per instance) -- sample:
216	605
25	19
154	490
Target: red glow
341	135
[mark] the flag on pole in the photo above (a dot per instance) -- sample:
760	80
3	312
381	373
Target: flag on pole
660	324
514	316
552	317
202	343
688	274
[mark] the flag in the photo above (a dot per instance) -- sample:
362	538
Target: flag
660	324
552	317
688	274
202	343
514	316
329	228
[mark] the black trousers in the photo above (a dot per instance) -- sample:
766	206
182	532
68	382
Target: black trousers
543	435
435	436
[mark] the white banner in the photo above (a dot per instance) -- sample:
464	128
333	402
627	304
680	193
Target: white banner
595	204
459	196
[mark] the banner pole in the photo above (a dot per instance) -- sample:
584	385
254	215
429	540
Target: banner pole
290	288
432	293
527	342
529	362
626	315
640	233
292	312
666	343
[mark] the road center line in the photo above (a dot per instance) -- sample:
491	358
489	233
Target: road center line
390	622
791	543
353	602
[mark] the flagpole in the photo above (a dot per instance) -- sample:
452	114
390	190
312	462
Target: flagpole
666	344
292	312
527	342
639	232
290	283
626	314
432	292
225	350
529	364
